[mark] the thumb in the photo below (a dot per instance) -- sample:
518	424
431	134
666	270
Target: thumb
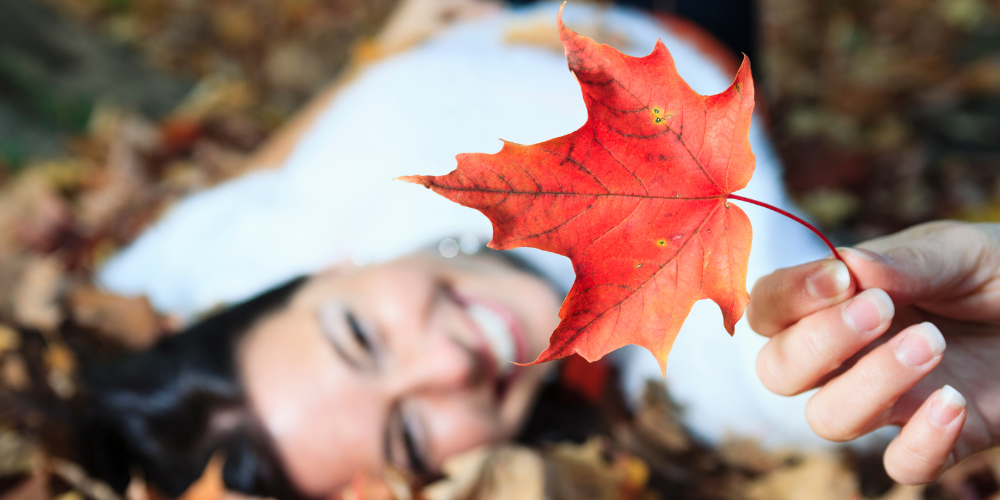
947	268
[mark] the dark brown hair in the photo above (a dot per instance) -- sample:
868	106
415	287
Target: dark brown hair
165	411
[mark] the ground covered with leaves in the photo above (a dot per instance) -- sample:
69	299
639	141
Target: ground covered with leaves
886	114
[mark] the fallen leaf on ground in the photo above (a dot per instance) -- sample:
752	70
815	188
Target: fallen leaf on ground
14	372
210	485
77	477
36	487
817	477
129	320
371	487
491	474
586	471
35	296
10	340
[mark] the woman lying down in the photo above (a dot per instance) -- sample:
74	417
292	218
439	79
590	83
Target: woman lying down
366	326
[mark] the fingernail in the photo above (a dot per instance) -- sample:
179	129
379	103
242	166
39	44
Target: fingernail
922	343
947	406
869	310
830	280
863	254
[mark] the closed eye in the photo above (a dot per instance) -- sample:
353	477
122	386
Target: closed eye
418	465
359	333
352	342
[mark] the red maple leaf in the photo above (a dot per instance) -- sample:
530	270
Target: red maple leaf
636	198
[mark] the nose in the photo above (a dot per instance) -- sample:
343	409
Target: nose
436	363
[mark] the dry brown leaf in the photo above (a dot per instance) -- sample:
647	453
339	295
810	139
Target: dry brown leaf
817	477
61	364
658	423
541	31
747	454
32	213
14	372
512	472
17	455
125	184
368	487
210	485
70	495
75	476
137	488
413	21
129	320
214	96
10	340
36	294
461	473
904	492
291	65
60	358
981	468
491	474
35	487
585	471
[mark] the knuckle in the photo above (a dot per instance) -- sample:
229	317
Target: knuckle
752	320
827	423
961	231
769	370
763	304
813	344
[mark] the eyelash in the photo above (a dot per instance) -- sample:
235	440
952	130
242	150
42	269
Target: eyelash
417	464
359	333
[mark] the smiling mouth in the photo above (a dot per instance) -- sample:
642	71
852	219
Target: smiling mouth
501	339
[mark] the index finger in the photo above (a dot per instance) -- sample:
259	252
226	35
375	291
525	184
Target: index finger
785	296
946	268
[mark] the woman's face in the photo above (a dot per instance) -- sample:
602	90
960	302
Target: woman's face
404	363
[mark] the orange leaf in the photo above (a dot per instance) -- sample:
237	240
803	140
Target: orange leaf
636	198
210	485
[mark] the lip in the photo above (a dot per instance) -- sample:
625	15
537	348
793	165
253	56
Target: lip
484	348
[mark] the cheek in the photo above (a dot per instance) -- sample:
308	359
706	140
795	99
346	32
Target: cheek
537	306
455	425
325	420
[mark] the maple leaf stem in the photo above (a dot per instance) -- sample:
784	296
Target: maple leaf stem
793	217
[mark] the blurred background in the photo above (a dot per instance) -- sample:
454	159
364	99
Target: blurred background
886	113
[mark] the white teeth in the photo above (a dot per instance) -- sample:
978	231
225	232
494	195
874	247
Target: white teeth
497	334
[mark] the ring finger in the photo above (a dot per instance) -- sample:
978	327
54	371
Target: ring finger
862	398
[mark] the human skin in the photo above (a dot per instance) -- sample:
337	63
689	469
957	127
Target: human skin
338	400
910	336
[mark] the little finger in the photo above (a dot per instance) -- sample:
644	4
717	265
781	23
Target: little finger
924	447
